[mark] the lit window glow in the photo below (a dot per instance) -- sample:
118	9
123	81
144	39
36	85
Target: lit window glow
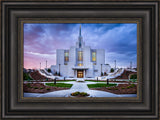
66	56
93	56
80	56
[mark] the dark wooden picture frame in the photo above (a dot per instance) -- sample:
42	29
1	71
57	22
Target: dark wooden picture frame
145	13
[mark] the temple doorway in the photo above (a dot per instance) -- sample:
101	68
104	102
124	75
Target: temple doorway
79	73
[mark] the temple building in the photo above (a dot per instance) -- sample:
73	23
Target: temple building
80	61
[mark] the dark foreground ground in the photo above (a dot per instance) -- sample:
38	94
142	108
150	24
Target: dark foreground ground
120	89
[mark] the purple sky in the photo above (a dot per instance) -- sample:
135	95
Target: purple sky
42	40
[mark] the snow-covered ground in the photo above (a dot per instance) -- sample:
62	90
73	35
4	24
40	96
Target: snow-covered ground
118	72
81	87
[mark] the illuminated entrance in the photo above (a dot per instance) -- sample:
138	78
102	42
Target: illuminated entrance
79	73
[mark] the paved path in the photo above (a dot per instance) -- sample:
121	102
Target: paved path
78	86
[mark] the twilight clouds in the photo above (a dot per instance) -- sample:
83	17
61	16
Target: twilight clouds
41	41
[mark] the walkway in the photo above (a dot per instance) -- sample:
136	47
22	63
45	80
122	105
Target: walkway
78	86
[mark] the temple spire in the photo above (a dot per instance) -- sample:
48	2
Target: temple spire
80	39
80	30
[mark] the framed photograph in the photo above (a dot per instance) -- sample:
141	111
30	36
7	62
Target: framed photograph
75	69
80	60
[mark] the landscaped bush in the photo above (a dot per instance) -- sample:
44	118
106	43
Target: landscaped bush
101	73
83	94
47	88
128	87
56	73
109	88
79	94
134	76
26	76
115	88
41	87
133	85
49	70
28	84
35	87
112	70
133	80
122	87
75	93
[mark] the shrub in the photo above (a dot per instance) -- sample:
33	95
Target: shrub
101	73
49	70
35	87
28	85
122	87
56	73
26	76
115	88
41	87
133	85
134	76
79	93
112	70
47	88
109	88
75	93
83	94
128	87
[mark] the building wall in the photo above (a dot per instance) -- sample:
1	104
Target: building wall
93	70
53	69
60	56
72	61
87	61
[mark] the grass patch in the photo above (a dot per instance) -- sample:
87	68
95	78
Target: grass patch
95	81
133	80
100	85
59	85
65	80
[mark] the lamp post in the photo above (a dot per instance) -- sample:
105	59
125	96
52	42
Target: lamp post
107	81
46	64
101	69
115	64
130	65
59	69
40	65
55	80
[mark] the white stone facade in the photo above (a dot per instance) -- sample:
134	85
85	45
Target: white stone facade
80	61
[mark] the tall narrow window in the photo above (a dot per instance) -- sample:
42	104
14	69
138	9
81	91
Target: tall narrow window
66	56
80	56
94	56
